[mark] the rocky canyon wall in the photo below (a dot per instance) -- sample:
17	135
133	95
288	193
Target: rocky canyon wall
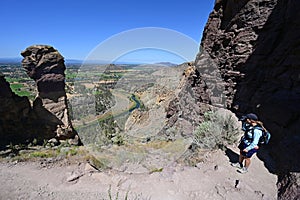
255	45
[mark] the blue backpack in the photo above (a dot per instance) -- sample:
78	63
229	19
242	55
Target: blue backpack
266	136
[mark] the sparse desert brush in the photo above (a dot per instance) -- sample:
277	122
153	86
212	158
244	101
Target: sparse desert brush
42	154
216	131
156	170
156	144
32	155
97	163
30	152
126	197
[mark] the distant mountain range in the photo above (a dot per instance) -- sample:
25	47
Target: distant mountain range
18	60
168	64
10	60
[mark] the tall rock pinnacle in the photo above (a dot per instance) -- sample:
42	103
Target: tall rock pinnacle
45	65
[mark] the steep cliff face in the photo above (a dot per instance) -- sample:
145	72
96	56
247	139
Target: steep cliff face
188	105
14	112
255	46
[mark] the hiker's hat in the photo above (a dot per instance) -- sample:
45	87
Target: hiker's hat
252	116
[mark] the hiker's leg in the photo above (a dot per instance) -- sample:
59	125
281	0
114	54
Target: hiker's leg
241	158
248	157
247	162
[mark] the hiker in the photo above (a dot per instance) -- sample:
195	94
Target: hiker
249	142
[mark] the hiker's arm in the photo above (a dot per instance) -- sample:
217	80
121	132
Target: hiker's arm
256	135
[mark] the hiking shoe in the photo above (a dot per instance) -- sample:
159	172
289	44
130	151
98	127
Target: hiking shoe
237	165
243	170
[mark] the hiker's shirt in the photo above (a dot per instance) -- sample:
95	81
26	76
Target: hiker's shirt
251	137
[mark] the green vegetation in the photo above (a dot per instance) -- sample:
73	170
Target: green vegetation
18	89
216	131
12	80
17	80
156	170
20	86
126	197
23	93
32	152
70	76
41	154
97	162
16	86
117	195
103	99
109	126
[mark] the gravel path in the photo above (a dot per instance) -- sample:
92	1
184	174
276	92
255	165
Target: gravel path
212	179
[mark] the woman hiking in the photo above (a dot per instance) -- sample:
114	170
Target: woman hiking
249	142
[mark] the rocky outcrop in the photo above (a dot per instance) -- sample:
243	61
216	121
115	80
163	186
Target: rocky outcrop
48	117
186	109
46	67
14	112
255	46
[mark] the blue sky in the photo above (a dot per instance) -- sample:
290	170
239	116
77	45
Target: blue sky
75	28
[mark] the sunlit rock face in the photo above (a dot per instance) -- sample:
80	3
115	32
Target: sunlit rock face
255	46
45	65
47	117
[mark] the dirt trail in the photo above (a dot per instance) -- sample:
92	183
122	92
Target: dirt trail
213	179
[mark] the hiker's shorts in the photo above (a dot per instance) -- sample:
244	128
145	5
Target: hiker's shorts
248	154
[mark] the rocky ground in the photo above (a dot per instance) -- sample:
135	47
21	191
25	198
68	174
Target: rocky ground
213	178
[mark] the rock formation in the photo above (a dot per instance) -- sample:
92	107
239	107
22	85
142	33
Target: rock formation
48	117
255	46
46	67
14	112
187	108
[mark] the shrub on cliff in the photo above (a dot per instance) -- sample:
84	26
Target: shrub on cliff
216	131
